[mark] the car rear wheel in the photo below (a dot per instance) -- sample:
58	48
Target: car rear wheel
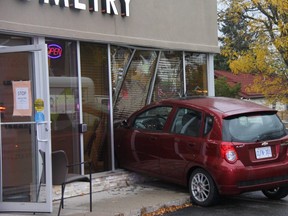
276	193
202	188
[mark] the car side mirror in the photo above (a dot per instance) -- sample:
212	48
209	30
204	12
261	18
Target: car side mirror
124	124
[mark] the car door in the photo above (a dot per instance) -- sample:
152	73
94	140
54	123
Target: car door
183	145
147	138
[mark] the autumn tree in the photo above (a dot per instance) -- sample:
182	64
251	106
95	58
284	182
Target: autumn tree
255	40
221	62
223	89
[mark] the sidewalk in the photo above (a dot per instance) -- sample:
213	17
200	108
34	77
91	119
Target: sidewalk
134	200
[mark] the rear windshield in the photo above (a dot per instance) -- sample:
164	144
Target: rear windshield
253	128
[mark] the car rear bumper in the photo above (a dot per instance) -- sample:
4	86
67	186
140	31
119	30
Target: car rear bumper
238	179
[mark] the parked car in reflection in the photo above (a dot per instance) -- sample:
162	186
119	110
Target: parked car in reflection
214	145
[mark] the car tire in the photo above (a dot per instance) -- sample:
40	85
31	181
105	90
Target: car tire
202	188
276	193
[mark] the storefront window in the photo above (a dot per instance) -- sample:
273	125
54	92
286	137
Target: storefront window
120	57
169	76
64	98
133	80
196	74
135	89
95	101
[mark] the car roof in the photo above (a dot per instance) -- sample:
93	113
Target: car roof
220	105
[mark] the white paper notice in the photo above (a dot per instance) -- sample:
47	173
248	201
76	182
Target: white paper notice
22	98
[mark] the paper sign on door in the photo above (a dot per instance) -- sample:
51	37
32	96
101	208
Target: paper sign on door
22	98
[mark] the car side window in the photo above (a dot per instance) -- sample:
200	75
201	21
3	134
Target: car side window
208	124
152	119
187	122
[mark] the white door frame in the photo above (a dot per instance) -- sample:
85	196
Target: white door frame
43	138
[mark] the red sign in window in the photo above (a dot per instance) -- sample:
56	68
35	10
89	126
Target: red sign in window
54	51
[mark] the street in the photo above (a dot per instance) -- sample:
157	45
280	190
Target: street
247	204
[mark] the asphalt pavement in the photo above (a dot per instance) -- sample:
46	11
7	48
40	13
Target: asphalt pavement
248	204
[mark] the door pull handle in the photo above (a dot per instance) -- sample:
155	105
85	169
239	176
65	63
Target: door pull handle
38	124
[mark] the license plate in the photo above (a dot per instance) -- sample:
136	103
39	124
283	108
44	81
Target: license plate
263	152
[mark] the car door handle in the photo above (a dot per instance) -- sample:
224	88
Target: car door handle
191	145
153	138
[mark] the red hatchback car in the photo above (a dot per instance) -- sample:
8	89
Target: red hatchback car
215	145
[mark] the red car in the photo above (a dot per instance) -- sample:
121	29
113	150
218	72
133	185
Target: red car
215	145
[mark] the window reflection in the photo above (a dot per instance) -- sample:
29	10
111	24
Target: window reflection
95	98
196	74
64	98
17	144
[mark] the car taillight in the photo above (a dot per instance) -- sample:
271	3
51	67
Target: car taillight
228	152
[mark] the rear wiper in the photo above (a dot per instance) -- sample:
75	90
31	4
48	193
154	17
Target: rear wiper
269	135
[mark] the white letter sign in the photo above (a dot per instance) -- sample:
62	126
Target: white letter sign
127	7
79	5
107	6
113	6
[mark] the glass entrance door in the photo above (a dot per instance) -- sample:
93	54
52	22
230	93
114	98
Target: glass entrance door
25	150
